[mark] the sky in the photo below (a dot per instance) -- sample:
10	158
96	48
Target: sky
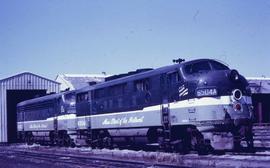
50	37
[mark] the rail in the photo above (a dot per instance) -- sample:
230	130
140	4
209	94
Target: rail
88	161
261	124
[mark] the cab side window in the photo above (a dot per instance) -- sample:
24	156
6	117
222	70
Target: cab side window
82	97
173	78
117	90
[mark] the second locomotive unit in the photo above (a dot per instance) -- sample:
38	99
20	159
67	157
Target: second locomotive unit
186	106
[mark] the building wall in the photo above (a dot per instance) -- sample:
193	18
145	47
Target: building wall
24	81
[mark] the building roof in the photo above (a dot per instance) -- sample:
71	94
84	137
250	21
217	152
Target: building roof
258	78
77	81
27	73
259	84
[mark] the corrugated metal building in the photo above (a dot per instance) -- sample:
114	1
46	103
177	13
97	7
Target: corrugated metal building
15	89
78	81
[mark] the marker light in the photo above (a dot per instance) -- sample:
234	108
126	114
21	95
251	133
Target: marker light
238	107
234	75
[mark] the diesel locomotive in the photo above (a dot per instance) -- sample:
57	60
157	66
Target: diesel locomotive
191	105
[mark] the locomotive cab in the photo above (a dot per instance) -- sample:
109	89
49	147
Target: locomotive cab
218	101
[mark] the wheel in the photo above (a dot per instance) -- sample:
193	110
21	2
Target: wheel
181	147
29	139
202	149
72	145
107	143
60	140
67	140
52	139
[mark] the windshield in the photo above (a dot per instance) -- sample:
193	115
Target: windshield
204	66
218	66
197	67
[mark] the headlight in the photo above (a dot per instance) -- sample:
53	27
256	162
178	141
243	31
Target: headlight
237	107
237	94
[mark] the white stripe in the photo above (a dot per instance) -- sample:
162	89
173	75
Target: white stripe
204	101
148	109
181	89
184	92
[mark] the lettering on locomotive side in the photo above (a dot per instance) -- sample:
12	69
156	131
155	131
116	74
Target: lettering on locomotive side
206	92
19	126
123	121
81	123
37	126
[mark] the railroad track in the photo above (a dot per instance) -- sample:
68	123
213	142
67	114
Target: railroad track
248	154
85	161
85	157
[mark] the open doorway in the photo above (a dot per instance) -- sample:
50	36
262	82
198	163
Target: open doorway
13	98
